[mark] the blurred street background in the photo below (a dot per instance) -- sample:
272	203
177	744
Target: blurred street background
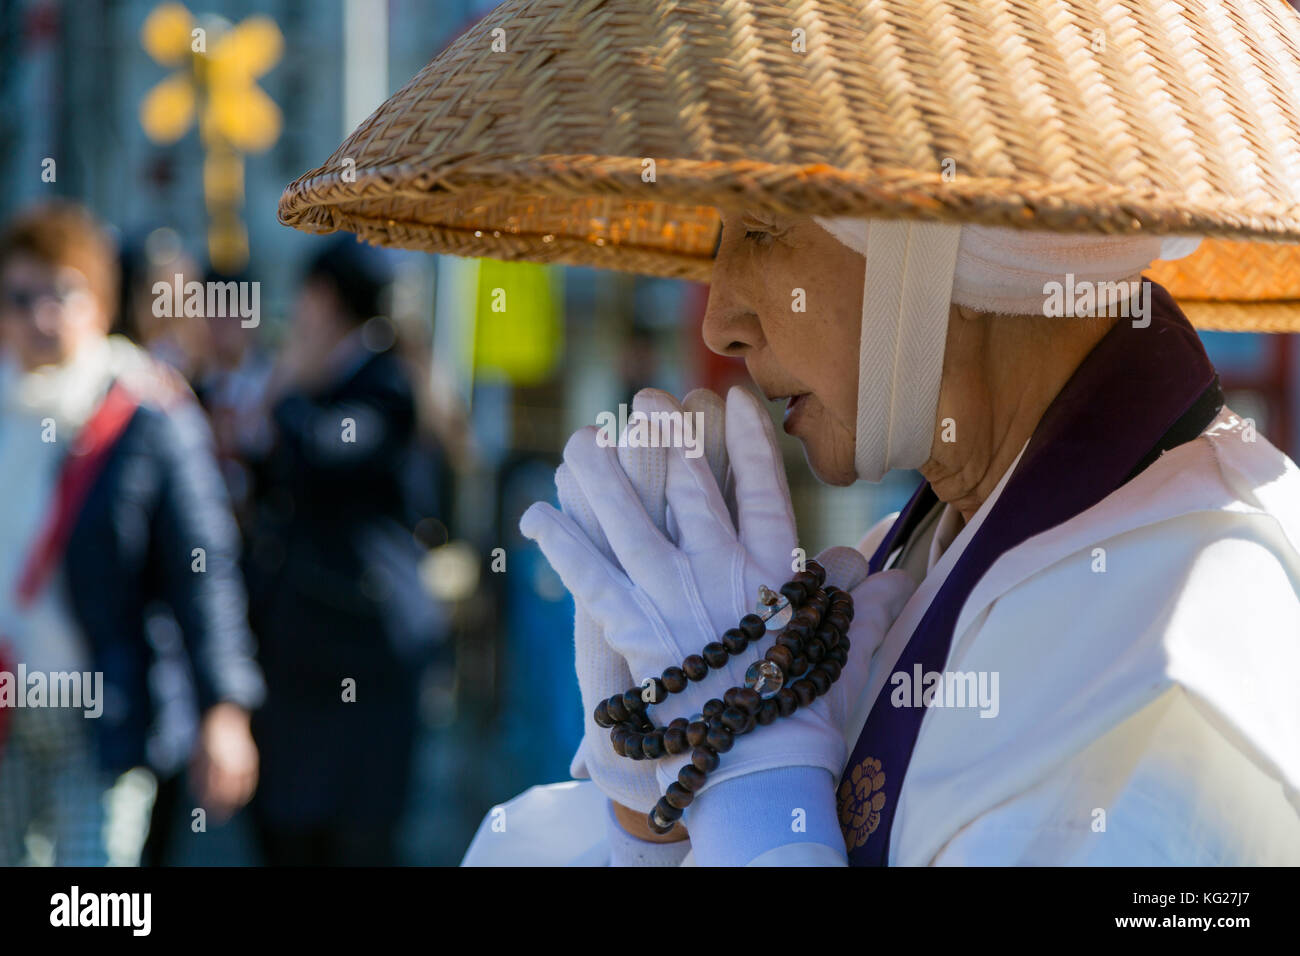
108	104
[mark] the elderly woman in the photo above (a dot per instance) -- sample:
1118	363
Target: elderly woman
1091	529
1073	644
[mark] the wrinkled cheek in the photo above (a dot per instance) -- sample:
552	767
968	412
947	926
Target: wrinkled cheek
828	449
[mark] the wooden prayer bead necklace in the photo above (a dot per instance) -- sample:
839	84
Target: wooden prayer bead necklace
803	663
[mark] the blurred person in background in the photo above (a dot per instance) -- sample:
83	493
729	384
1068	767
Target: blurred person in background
344	623
231	385
112	502
179	340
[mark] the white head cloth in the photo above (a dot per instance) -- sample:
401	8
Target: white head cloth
915	271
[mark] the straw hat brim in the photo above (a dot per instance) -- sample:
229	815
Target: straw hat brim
609	133
1236	286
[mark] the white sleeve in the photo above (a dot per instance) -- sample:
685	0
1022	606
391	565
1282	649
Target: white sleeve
784	816
627	850
1162	788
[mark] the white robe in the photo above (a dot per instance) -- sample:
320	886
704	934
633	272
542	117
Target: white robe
1148	714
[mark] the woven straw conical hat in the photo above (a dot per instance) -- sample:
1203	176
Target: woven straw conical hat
1236	286
609	132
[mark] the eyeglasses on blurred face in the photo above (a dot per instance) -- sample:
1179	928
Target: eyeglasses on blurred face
24	297
45	311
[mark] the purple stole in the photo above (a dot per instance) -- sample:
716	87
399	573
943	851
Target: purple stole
1139	392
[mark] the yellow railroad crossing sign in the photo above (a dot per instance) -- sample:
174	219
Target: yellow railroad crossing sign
216	82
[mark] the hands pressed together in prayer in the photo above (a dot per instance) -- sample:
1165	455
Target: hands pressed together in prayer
663	552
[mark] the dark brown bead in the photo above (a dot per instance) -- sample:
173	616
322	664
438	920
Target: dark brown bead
678	796
747	699
618	738
691	778
652	745
814	650
643	723
632	701
695	668
799	666
733	718
712	708
657	823
696	731
838	620
831	667
807	580
667	811
805	615
675	740
781	657
750	723
735	641
674	680
817	571
786	702
616	709
729	698
655	690
678	722
820	680
602	715
720	739
632	745
791	641
794	593
753	627
805	691
828	636
768	712
839	655
704	759
715	655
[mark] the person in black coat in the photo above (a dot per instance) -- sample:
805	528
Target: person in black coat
342	618
113	504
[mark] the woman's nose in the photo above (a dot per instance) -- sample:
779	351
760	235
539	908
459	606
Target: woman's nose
48	316
731	327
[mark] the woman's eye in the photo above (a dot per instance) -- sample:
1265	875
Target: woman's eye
758	236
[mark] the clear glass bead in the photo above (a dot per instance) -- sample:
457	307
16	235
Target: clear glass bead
769	599
765	678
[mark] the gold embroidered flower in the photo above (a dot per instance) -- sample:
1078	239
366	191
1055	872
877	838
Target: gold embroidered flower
861	797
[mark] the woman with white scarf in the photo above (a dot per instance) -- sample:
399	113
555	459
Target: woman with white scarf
1122	728
934	223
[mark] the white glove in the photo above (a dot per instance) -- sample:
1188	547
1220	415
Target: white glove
601	671
668	599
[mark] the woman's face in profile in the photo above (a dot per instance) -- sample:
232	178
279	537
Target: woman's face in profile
786	297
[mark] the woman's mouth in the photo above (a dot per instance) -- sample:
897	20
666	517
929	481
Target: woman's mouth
792	407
